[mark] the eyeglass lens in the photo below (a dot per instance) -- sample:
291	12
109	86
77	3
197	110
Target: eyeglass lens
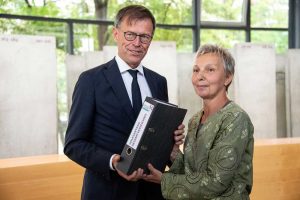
130	36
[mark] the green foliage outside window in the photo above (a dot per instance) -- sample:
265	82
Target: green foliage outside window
269	13
226	38
278	38
222	11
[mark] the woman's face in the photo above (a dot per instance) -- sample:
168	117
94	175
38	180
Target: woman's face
209	78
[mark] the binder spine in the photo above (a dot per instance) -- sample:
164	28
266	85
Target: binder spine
132	144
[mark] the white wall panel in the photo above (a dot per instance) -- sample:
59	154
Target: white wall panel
28	114
293	92
255	86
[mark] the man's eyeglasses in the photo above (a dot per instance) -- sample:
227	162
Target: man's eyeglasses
144	38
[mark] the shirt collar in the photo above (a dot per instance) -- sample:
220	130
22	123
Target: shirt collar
123	66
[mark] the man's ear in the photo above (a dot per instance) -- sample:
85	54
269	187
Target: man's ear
115	33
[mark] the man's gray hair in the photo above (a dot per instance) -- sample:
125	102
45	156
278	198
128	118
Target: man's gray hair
132	13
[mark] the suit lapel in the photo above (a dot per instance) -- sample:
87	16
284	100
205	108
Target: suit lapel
113	75
151	82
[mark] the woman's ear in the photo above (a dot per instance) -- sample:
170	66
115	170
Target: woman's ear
228	79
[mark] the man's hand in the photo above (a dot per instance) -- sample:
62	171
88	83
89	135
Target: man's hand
178	138
154	176
136	175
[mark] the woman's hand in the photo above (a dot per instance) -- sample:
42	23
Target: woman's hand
179	135
179	139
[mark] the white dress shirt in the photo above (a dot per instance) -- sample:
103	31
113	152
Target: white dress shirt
127	78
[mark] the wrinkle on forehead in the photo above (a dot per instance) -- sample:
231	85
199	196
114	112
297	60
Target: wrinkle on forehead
130	21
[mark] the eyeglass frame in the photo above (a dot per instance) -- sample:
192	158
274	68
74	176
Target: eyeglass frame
141	37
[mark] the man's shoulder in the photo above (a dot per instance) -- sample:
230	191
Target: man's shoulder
95	72
101	67
149	72
98	69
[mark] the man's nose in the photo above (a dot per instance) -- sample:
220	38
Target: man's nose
137	41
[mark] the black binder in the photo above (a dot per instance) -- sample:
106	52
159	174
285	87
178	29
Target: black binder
152	137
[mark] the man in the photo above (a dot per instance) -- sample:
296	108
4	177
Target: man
102	113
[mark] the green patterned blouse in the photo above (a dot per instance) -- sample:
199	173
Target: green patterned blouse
217	159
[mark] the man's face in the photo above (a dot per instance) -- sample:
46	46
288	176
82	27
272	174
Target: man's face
132	52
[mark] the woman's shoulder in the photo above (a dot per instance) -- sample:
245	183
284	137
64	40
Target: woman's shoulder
196	117
194	121
233	113
235	110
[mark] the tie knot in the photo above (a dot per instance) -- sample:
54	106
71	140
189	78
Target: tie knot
133	73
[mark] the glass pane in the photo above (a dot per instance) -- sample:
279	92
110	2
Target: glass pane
182	37
91	37
55	8
222	10
164	11
225	38
269	13
16	26
84	38
278	38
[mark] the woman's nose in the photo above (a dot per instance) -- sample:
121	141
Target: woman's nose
200	75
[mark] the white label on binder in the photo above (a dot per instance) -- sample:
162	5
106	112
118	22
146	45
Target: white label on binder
140	124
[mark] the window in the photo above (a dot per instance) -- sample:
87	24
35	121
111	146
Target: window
268	23
226	38
223	11
269	13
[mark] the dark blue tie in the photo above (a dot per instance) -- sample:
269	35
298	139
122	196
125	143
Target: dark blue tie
136	93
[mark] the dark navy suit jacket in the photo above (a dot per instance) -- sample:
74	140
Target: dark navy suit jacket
100	122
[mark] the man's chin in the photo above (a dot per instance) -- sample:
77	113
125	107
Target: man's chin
134	62
136	58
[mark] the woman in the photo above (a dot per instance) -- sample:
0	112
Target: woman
218	150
